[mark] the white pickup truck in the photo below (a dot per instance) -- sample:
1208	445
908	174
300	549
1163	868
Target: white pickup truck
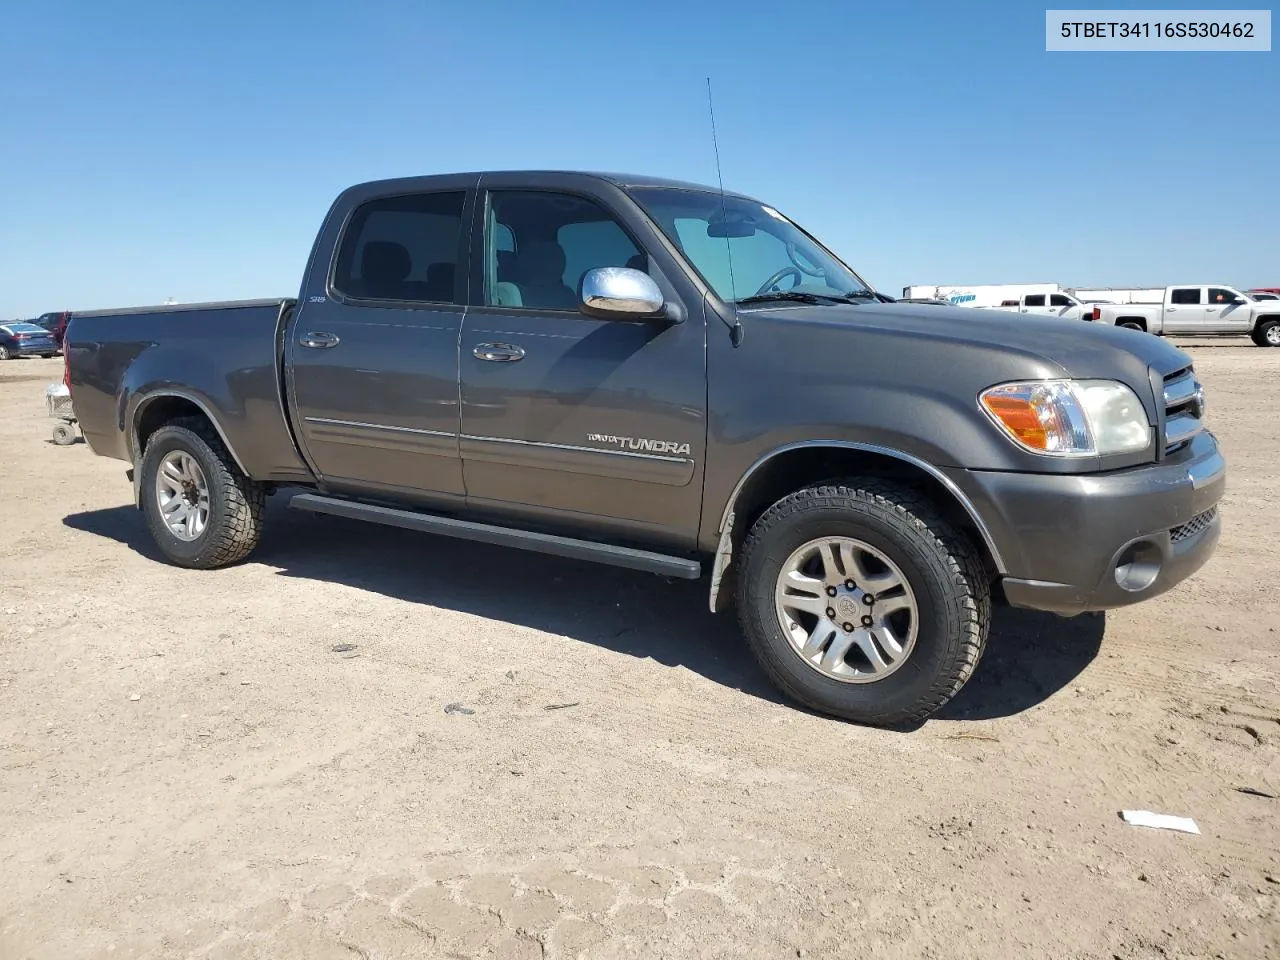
1211	309
1063	305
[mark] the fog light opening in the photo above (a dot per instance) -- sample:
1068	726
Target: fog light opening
1138	566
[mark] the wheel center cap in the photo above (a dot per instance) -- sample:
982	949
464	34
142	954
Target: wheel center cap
848	608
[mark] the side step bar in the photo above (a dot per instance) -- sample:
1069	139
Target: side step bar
502	536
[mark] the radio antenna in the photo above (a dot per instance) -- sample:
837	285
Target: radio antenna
735	328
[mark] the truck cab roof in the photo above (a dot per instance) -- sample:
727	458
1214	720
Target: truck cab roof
564	178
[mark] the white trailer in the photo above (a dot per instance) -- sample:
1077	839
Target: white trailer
978	295
1119	294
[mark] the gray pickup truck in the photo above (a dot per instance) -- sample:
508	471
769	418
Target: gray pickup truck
666	377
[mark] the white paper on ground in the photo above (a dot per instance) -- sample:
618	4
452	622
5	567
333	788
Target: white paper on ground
1161	821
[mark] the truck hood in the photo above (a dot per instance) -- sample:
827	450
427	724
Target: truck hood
1079	348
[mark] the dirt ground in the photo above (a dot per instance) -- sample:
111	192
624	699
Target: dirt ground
270	760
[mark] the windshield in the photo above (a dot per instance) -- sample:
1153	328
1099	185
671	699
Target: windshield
745	250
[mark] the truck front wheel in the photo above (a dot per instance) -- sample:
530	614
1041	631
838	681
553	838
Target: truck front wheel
861	601
1267	333
201	510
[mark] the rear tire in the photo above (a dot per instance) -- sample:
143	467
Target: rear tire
235	504
1133	325
944	574
1267	333
4	353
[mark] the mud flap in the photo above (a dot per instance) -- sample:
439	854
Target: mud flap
724	553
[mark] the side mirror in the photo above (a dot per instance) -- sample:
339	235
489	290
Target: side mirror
1238	300
620	293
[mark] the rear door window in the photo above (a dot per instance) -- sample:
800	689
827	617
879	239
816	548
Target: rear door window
403	249
1185	296
1034	300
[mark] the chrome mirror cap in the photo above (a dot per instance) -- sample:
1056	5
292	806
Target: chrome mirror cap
620	292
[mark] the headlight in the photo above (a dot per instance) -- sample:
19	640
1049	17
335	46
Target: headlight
1069	418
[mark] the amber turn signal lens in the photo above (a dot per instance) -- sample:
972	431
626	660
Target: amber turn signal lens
1019	416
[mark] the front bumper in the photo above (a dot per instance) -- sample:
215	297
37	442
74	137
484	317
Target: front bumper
1071	544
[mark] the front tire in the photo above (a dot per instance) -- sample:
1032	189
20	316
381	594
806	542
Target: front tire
1267	333
202	512
911	602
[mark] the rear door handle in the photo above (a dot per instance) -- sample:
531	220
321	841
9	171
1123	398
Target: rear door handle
318	340
498	352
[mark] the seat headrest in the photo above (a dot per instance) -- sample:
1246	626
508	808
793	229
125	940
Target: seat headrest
384	261
541	262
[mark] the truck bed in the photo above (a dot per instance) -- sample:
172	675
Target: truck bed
221	357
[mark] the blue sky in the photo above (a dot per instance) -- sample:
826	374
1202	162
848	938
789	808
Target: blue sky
150	150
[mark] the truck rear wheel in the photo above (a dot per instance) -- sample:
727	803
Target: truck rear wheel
1267	333
201	510
1131	325
861	602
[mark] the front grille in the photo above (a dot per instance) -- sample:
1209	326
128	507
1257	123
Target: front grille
1183	408
1194	526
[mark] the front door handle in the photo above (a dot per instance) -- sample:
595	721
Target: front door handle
498	352
318	340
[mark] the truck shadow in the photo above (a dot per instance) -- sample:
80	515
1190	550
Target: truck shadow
1029	656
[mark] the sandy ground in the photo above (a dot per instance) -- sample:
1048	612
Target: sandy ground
194	764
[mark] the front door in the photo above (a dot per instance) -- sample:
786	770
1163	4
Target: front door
1062	306
374	363
1227	311
568	419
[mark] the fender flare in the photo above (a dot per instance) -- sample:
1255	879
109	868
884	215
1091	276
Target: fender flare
146	400
724	550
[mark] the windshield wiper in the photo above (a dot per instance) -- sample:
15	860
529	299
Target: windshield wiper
856	295
796	295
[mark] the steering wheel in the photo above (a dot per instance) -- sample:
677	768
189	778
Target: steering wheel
779	277
796	257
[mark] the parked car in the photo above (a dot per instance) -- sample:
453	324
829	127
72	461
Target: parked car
1263	295
1061	305
55	323
1199	309
23	339
565	363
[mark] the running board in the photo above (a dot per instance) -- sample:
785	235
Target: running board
502	536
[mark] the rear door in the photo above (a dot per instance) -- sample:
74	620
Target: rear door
566	419
1185	310
373	362
1035	303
